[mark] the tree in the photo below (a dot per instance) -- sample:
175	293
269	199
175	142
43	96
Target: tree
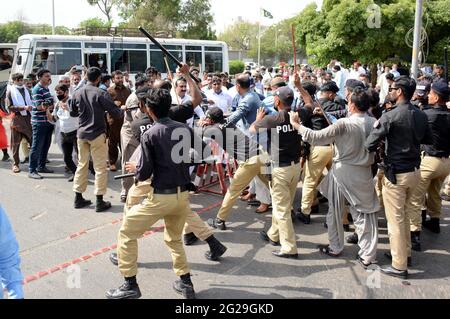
94	23
340	30
196	20
163	15
242	35
236	67
105	7
11	31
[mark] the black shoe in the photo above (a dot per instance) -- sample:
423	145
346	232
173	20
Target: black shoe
6	157
254	203
263	235
190	239
325	225
415	241
184	289
283	255
432	225
114	259
217	223
71	178
26	160
45	170
363	263
389	256
305	219
126	291
347	228
352	239
82	203
102	206
391	271
35	175
445	197
216	252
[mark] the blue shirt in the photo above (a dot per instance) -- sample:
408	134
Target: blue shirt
40	95
10	274
246	110
269	105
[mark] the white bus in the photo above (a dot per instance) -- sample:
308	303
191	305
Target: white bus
60	53
7	51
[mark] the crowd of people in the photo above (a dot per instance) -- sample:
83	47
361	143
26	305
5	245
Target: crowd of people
366	150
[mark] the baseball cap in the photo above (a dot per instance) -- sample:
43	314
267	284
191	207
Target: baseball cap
285	94
423	88
441	88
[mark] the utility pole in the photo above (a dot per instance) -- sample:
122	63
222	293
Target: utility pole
417	38
53	17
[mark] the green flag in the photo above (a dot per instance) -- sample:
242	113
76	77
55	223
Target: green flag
266	14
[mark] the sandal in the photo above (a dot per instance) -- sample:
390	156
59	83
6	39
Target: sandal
325	249
16	169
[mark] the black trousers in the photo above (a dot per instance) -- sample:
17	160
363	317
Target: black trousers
69	145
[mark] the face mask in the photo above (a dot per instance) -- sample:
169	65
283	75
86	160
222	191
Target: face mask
19	86
61	97
100	63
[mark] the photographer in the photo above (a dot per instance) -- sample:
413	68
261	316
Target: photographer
42	128
63	113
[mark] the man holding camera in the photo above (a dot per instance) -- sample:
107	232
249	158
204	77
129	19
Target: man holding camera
42	128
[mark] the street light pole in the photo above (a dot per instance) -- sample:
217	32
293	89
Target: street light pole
53	18
417	38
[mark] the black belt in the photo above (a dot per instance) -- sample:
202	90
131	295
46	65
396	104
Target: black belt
281	165
170	191
406	170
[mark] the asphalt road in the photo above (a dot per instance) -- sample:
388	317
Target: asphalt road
65	251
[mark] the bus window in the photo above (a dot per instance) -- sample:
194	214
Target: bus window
194	58
157	60
213	62
58	61
6	58
129	61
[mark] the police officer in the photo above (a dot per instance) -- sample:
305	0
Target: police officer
168	200
420	97
435	165
404	128
320	156
285	150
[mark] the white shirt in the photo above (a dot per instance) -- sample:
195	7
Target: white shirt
222	100
355	74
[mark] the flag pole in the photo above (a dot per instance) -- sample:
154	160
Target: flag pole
259	38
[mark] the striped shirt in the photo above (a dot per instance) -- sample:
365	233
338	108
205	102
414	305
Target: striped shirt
40	95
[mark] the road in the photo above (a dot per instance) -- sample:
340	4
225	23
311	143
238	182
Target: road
65	251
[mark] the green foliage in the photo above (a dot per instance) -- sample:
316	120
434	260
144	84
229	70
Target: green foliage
196	20
105	7
241	35
94	23
340	30
11	31
236	67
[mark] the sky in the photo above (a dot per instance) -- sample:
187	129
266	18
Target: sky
70	12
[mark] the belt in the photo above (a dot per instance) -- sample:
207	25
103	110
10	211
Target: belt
170	191
406	170
280	165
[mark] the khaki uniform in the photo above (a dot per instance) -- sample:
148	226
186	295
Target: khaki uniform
319	158
98	149
283	188
194	224
173	209
398	207
246	172
433	171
